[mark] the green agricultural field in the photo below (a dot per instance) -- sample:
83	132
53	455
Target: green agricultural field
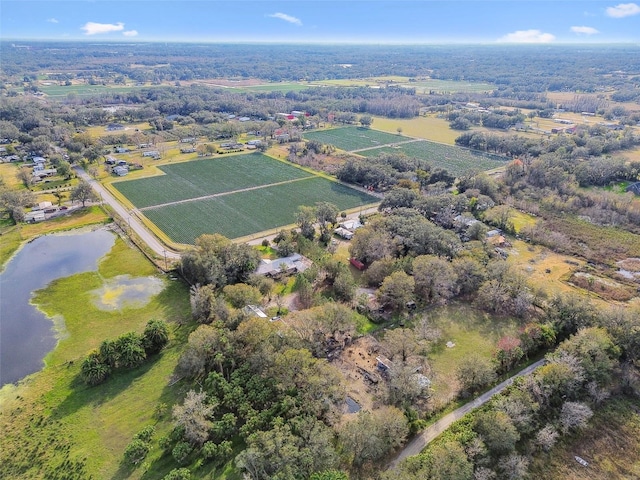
207	177
353	138
245	213
456	160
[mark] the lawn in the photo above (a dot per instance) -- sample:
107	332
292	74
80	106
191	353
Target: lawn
207	177
245	213
353	138
454	159
472	331
54	426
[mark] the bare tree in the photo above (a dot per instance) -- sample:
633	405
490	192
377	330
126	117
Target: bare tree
547	437
574	416
194	416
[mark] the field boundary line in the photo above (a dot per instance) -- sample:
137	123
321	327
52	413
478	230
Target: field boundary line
222	194
390	145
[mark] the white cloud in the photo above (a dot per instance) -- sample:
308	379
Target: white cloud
52	20
130	33
287	18
527	36
92	28
623	10
584	30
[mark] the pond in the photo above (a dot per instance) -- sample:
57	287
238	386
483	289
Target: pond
26	334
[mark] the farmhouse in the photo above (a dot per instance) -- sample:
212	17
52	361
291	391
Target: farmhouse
151	153
188	150
121	170
344	233
188	140
283	266
112	127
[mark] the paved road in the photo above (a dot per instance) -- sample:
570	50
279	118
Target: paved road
132	221
415	446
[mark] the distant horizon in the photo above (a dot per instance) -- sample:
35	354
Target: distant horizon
346	22
310	43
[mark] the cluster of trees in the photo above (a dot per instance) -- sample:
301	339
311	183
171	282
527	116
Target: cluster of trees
217	261
500	119
586	142
128	351
388	169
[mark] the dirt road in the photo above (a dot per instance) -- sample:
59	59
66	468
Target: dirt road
129	217
415	446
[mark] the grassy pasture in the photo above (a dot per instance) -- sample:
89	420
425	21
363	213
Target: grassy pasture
207	177
448	86
245	213
274	87
428	127
353	138
61	91
422	85
456	160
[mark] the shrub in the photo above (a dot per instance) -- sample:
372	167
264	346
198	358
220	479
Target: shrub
136	451
181	452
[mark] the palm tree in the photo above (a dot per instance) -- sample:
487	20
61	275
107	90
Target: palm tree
94	369
109	353
155	336
130	350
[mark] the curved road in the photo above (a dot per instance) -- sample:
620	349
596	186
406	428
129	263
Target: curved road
132	221
415	446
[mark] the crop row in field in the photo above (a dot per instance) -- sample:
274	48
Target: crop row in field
199	178
456	160
245	213
353	138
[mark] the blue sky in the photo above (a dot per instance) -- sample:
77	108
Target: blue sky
324	21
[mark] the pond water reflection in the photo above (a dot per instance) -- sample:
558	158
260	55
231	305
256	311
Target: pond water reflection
26	334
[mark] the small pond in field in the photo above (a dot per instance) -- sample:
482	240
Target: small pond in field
126	291
26	334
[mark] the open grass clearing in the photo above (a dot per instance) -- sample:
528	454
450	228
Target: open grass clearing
245	213
53	418
353	138
207	177
535	260
521	220
456	160
472	332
